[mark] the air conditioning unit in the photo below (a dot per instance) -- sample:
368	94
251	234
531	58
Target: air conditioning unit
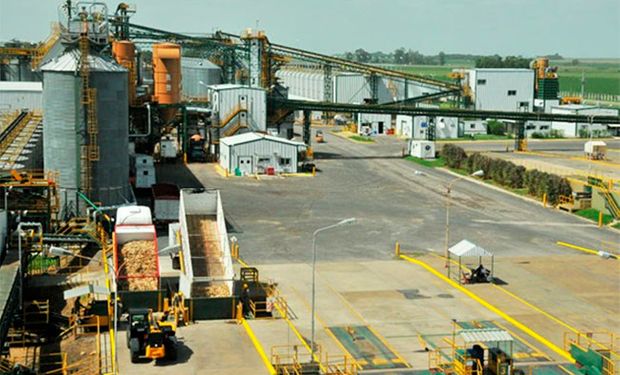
422	149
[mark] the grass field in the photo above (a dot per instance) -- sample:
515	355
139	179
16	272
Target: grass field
592	214
361	138
602	75
431	163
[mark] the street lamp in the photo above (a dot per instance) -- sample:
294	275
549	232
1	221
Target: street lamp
477	173
59	251
316	232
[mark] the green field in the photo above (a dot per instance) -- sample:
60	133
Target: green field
602	75
361	138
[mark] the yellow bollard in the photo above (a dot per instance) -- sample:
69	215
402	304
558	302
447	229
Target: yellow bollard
397	249
239	313
544	199
313	171
600	219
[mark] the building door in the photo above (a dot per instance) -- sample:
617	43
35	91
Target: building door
245	164
380	130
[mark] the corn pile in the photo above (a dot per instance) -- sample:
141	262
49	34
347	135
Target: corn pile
137	258
218	290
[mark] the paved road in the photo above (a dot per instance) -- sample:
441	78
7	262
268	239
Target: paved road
275	217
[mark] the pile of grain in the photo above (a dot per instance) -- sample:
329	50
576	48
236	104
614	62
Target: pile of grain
212	250
212	290
137	258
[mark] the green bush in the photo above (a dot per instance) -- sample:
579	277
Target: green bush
514	176
455	156
496	128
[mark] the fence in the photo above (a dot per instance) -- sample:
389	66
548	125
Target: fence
593	96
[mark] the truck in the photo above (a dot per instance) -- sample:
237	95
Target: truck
135	252
207	269
165	203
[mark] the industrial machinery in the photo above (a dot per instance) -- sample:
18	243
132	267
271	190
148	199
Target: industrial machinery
150	338
319	136
547	83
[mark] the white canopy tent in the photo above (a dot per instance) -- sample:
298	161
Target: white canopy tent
466	248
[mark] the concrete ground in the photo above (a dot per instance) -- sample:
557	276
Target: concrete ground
359	283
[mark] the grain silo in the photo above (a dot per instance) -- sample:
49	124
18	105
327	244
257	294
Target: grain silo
196	75
66	136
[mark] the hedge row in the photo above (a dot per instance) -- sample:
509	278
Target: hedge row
508	174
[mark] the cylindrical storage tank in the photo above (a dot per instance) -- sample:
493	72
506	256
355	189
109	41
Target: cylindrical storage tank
124	52
196	75
167	73
65	133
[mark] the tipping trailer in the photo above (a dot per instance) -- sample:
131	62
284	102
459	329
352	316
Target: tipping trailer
165	203
206	262
136	261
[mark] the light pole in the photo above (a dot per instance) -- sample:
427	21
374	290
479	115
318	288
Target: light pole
316	232
59	251
448	190
7	190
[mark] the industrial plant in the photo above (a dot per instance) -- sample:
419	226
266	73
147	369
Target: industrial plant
166	193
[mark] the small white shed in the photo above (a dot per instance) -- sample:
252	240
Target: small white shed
466	248
252	153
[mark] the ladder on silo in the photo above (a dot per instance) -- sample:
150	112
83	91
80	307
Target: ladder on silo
88	98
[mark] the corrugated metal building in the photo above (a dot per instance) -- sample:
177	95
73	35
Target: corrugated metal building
17	95
196	75
416	127
228	98
502	89
252	153
373	123
573	129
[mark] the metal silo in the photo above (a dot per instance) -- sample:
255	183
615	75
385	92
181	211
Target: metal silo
197	74
65	135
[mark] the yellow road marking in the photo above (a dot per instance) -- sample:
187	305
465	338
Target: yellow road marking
493	309
258	347
325	328
528	304
365	322
584	249
524	341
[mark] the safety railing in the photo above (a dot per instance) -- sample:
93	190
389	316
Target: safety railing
602	343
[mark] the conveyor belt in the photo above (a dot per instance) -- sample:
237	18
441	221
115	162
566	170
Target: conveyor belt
443	112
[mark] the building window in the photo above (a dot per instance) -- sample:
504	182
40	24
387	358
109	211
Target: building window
285	161
524	104
145	173
472	126
530	127
512	92
482	82
544	127
264	160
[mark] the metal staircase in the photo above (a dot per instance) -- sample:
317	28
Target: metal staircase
88	98
610	201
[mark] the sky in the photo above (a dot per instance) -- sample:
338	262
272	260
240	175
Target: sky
572	28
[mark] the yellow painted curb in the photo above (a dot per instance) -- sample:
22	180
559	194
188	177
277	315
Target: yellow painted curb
584	249
258	347
493	309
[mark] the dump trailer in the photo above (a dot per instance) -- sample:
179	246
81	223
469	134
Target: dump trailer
207	269
136	261
165	201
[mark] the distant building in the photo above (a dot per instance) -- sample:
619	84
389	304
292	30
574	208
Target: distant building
19	95
252	153
502	89
574	129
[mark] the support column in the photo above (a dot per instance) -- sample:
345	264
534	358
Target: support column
328	89
519	136
306	131
373	81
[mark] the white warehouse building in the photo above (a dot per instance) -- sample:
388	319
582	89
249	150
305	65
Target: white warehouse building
18	95
252	153
502	89
574	129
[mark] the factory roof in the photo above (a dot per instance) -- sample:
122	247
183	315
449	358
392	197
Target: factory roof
252	137
468	249
21	86
198	63
231	86
70	62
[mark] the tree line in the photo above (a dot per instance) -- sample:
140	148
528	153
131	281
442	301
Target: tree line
508	174
410	57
